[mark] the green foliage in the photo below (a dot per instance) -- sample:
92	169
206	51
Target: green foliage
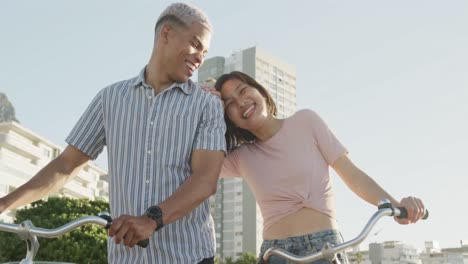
246	258
87	244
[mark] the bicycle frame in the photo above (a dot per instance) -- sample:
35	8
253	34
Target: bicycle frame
329	251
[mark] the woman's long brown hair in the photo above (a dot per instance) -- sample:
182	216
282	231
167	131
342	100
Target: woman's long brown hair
235	136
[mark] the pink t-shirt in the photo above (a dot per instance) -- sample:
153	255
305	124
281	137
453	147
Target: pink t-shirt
290	170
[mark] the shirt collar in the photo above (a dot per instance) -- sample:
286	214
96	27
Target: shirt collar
186	87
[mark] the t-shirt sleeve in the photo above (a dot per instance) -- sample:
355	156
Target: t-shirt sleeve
230	167
211	129
88	135
330	147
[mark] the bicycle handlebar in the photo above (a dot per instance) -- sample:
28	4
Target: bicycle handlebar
28	232
51	233
103	220
329	251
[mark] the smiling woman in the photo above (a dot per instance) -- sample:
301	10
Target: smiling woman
286	163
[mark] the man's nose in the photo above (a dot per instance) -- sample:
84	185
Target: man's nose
199	58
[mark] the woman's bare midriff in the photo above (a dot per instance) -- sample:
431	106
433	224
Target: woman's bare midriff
302	222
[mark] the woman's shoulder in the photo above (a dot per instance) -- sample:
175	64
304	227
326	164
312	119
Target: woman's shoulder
304	115
242	148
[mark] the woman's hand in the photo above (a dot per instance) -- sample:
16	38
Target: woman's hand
415	208
213	91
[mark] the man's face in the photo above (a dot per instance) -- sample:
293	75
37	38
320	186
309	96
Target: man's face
186	50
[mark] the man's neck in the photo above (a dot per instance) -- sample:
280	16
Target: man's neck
156	79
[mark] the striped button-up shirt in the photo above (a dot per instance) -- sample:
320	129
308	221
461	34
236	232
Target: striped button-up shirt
149	141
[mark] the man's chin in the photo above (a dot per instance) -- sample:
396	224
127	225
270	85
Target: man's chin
180	79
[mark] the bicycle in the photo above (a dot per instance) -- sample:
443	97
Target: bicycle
329	252
28	232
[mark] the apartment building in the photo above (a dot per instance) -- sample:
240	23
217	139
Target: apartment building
23	153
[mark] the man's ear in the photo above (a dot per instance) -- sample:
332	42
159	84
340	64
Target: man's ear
164	33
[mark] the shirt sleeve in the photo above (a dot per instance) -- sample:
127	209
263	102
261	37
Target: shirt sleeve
88	135
211	129
230	167
330	147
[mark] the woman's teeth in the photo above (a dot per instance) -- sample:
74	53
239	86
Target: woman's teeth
248	111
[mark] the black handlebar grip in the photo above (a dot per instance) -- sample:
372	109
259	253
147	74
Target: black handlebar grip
404	213
106	216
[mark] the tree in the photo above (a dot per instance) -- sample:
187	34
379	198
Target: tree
359	257
87	244
246	258
7	111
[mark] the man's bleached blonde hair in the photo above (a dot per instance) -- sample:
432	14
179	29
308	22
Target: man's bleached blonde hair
182	15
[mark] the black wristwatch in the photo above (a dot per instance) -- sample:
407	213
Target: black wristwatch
155	213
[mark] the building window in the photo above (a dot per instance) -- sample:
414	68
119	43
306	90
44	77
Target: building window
46	152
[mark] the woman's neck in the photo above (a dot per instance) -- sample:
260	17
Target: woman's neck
268	129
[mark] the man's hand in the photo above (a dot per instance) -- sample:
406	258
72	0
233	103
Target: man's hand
415	208
131	229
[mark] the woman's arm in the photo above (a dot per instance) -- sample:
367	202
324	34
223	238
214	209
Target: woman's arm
367	189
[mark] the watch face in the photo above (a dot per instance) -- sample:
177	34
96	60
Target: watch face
155	212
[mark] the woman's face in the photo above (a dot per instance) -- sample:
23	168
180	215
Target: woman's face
243	104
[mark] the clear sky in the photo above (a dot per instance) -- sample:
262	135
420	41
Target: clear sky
389	77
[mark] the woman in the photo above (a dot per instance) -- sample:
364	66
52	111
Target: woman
286	162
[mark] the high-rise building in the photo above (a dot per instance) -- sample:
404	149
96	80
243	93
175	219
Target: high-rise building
238	221
23	153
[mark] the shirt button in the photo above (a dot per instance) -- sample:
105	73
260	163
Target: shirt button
149	97
151	123
149	151
147	181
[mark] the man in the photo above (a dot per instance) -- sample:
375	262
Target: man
165	141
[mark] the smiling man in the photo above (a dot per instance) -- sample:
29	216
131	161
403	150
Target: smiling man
165	141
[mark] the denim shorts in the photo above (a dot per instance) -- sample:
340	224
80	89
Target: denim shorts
304	245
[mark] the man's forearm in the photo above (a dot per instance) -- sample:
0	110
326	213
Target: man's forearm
187	197
49	179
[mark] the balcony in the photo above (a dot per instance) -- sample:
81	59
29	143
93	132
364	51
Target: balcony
75	189
16	167
103	185
18	145
86	176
